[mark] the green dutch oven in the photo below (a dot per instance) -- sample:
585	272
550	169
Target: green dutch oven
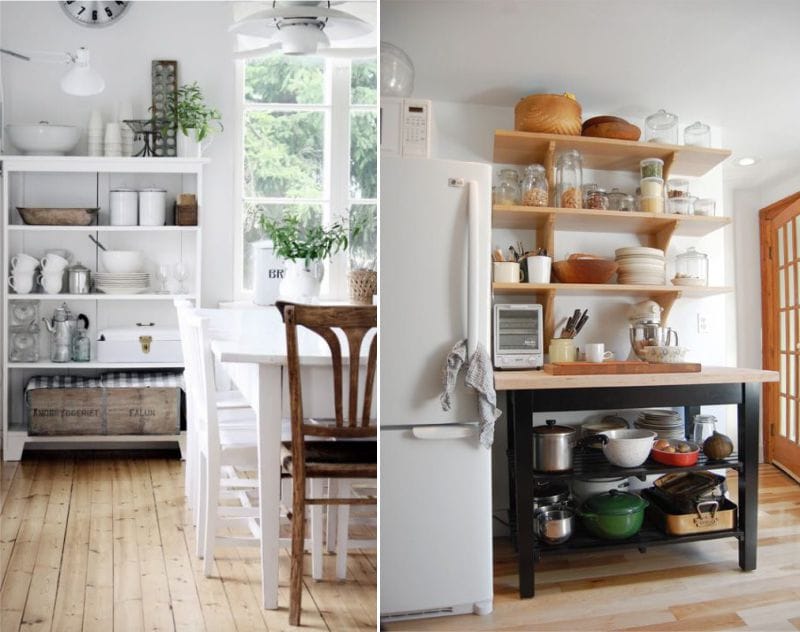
614	515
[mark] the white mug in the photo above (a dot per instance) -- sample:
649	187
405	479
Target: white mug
595	352
51	283
24	262
539	269
21	283
52	263
507	272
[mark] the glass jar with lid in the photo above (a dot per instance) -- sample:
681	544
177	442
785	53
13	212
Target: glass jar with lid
703	427
697	134
596	200
534	187
661	127
569	178
620	201
507	192
691	268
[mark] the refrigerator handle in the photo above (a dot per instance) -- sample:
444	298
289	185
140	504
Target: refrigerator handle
473	278
434	432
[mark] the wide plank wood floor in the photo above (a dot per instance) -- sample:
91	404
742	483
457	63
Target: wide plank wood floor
681	587
106	544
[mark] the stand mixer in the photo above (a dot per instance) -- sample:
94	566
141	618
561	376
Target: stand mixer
646	329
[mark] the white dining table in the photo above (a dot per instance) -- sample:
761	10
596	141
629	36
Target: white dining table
251	349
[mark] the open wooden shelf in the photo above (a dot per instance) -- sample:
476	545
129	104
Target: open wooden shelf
587	220
597	289
524	148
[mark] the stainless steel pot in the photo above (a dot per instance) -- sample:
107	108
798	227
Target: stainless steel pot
552	447
554	526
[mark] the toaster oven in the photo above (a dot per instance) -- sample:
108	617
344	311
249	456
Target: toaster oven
518	339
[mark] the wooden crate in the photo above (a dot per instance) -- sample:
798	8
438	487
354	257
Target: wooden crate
151	411
66	411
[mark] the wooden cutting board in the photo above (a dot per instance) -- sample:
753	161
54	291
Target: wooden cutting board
619	367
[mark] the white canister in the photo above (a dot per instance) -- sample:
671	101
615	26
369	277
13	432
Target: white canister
267	273
124	207
152	207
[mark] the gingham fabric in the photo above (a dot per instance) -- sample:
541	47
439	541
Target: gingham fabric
62	381
128	379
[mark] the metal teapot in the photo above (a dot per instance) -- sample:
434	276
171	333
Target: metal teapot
62	328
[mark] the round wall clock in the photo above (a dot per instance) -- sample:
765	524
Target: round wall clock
100	13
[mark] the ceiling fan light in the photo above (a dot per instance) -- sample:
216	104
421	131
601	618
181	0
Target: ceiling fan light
301	39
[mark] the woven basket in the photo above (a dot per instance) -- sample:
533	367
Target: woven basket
363	284
549	114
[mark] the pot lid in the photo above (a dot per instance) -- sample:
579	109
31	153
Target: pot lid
615	503
78	267
549	490
552	429
609	422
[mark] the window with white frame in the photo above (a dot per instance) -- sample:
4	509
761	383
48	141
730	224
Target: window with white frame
308	146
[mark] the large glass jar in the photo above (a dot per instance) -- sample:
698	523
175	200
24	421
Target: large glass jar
691	268
698	134
703	427
569	178
534	187
661	127
507	192
596	200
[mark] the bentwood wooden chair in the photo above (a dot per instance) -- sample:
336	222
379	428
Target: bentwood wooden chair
332	448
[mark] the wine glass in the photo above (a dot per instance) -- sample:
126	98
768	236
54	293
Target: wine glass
162	275
181	274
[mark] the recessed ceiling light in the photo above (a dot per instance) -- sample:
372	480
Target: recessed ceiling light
748	161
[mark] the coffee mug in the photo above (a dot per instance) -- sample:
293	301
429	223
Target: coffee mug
595	352
52	263
24	262
539	269
507	272
21	283
562	350
51	282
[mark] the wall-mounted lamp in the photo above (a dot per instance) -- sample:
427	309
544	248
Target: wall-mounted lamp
80	79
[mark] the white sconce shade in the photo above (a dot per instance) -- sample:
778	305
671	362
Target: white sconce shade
81	80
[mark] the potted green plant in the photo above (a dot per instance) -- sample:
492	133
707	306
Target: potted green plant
195	121
304	244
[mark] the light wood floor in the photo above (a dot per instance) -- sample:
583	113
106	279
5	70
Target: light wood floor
105	544
682	587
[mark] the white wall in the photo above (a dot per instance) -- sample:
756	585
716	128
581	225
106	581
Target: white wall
193	33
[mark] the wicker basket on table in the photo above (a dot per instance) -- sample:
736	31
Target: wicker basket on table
363	285
548	113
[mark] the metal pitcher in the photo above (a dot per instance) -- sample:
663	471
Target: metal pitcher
62	328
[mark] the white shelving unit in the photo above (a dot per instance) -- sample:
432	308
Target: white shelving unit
78	181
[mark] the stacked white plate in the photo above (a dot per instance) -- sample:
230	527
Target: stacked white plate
122	282
639	265
667	424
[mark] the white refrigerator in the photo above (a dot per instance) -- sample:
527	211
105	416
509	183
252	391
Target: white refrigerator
435	477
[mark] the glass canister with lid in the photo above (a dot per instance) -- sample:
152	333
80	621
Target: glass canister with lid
691	268
703	427
534	187
661	127
596	199
569	178
507	191
620	201
697	134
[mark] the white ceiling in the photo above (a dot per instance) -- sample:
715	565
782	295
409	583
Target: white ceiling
734	64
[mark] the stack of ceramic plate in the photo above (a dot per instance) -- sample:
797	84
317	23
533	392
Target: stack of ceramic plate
640	266
122	282
667	424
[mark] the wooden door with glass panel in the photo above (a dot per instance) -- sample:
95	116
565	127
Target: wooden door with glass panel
780	283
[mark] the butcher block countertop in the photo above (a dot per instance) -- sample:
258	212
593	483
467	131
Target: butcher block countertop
539	380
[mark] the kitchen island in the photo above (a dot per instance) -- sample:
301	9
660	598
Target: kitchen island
538	392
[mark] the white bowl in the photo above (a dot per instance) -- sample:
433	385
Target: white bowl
44	139
664	355
628	448
119	261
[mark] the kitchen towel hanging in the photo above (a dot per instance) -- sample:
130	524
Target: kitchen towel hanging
479	377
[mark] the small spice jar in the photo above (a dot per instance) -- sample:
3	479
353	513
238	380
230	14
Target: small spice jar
597	200
677	188
691	268
619	201
652	168
652	187
680	205
704	206
534	187
697	134
569	178
661	127
507	192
